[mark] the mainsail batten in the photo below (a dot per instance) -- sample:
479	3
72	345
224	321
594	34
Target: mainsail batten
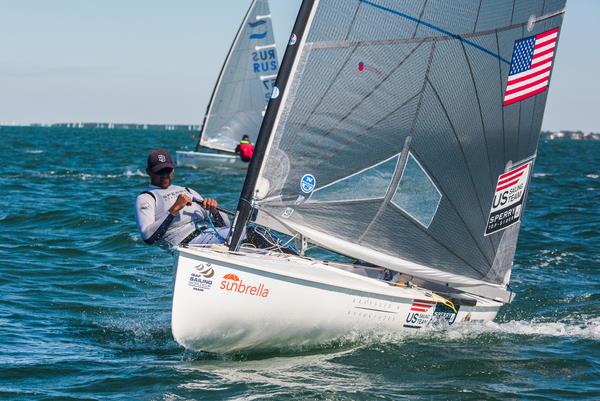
370	75
245	82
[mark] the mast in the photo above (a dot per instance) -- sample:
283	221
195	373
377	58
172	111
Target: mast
214	91
245	206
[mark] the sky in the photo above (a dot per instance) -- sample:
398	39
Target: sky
152	61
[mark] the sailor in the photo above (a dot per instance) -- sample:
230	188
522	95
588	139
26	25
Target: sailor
245	149
169	215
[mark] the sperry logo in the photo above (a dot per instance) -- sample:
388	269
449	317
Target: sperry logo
232	283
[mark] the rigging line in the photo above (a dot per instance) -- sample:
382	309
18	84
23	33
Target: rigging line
462	151
531	125
410	99
338	74
512	14
436	28
501	107
352	22
420	17
520	113
435	240
374	89
401	41
477	17
331	84
427	232
518	147
392	187
418	110
487	153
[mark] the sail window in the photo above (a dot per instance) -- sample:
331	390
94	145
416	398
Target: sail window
416	194
367	184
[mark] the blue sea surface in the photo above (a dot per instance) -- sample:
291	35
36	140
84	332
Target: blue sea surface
85	304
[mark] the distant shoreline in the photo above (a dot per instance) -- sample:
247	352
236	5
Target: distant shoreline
545	135
126	126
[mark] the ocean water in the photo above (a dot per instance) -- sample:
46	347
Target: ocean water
85	304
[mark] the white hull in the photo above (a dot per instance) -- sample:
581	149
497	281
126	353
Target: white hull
227	301
209	160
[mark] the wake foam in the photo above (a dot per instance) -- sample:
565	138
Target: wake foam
585	329
581	328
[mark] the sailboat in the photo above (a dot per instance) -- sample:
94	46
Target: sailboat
401	135
239	98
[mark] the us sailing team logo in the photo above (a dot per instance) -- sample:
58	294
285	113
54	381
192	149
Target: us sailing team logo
419	314
508	198
201	279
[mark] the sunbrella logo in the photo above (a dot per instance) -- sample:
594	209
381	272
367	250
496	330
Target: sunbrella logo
232	283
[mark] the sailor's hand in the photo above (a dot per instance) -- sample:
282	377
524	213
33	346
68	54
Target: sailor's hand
210	204
182	201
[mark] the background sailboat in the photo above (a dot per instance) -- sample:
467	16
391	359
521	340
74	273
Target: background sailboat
240	96
403	134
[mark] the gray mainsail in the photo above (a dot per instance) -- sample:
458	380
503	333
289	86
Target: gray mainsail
245	83
405	132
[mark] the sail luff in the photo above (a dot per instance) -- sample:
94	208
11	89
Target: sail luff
245	205
223	66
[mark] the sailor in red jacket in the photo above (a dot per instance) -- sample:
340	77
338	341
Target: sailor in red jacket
245	149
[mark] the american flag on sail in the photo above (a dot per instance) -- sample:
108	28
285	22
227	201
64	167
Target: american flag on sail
530	66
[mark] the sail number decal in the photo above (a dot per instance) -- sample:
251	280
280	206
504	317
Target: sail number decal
264	61
508	198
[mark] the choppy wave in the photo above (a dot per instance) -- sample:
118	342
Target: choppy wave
128	173
85	305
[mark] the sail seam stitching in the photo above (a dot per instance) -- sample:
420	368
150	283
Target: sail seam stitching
338	73
420	17
518	155
374	89
468	169
502	108
477	17
482	121
436	28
